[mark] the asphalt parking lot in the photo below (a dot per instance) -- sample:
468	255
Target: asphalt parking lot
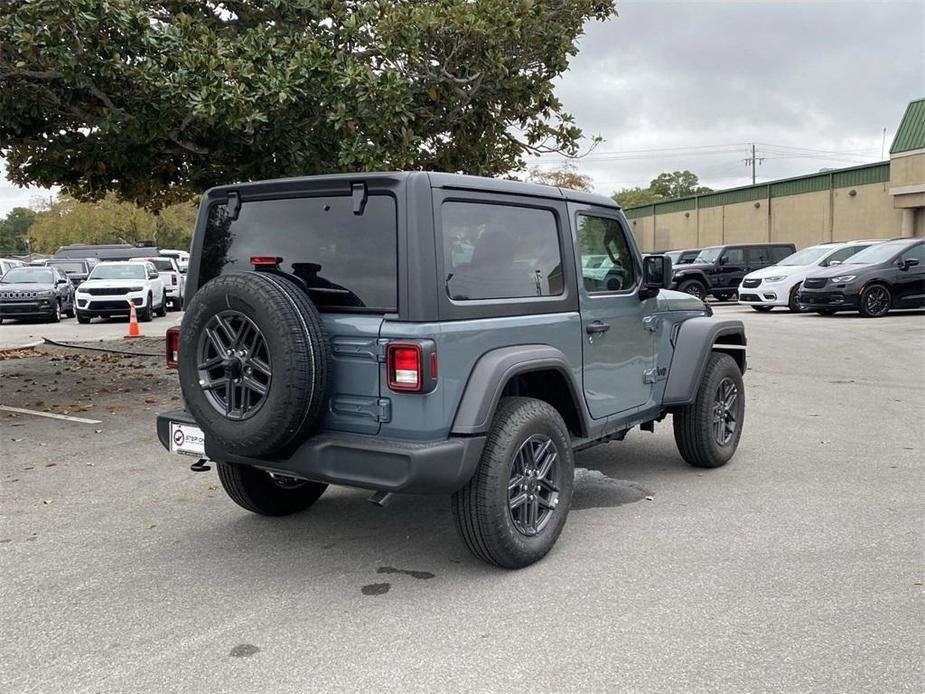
797	567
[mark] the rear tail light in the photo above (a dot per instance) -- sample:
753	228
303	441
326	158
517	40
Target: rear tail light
411	366
405	366
172	347
173	279
265	261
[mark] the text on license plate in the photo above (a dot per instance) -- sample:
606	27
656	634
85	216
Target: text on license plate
187	439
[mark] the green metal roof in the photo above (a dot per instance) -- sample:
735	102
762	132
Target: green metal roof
877	172
911	133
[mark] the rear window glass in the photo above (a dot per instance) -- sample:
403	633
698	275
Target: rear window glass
500	251
346	260
69	266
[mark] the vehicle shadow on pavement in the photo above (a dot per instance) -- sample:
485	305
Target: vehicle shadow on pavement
343	533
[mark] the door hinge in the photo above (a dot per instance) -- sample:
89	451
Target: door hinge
648	376
658	373
652	323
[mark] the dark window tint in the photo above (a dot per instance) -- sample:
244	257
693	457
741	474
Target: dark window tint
346	260
842	254
778	253
500	251
606	260
734	256
915	253
758	255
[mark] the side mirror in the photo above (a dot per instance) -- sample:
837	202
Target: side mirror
907	263
656	274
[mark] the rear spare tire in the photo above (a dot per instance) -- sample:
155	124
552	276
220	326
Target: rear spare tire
253	362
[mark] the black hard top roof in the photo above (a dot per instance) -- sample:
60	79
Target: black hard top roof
437	180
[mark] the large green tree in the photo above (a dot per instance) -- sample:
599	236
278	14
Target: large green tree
158	100
677	184
14	228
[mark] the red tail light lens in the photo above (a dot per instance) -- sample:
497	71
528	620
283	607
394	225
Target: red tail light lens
172	347
265	260
404	364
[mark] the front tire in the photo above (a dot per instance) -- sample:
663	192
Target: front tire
83	317
708	430
794	305
512	511
694	288
259	492
876	301
56	314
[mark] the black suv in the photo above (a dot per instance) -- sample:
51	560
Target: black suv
888	275
718	270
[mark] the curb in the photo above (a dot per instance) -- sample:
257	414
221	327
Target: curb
27	345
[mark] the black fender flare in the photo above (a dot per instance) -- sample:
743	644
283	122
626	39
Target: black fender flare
695	339
694	275
491	374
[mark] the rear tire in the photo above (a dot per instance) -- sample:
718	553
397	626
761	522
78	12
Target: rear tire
162	311
258	492
144	314
708	430
527	458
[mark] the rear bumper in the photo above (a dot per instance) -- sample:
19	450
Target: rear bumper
440	467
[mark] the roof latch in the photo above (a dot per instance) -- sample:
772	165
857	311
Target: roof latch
360	196
234	205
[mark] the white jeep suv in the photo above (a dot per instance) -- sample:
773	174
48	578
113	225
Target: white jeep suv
110	287
777	285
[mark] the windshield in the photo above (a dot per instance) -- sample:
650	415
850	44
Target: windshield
708	255
29	275
876	254
69	266
128	271
807	256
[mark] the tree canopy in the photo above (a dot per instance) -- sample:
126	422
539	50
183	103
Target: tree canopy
14	228
665	186
158	100
110	220
566	176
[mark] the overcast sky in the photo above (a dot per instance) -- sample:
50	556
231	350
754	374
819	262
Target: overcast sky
717	76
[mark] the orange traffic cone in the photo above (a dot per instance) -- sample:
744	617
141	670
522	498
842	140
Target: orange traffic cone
133	330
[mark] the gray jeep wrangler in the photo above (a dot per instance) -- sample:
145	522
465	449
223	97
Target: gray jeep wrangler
432	333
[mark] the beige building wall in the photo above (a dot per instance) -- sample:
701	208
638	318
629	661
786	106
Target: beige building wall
907	170
644	232
676	230
868	214
743	222
802	219
711	227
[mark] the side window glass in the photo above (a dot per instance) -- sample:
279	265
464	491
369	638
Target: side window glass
734	256
500	251
842	254
606	260
915	253
757	255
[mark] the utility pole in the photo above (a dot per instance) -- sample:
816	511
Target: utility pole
752	160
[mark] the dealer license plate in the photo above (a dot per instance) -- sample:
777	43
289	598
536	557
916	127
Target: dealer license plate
187	439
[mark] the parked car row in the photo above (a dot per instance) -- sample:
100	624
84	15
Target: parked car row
110	289
871	276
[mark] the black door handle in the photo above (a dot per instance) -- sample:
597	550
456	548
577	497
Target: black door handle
597	327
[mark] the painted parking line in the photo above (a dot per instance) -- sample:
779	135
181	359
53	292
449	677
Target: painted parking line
50	415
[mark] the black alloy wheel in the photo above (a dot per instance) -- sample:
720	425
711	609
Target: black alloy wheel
875	301
533	491
725	411
234	365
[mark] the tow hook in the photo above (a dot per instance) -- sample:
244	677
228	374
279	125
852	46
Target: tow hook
201	465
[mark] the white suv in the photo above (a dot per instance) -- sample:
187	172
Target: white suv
110	287
777	285
174	280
